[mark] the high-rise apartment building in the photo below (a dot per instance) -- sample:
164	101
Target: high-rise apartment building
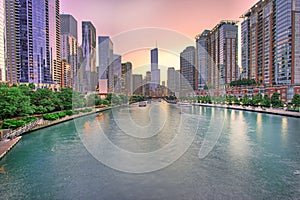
223	52
155	72
189	75
69	45
126	78
66	75
271	42
2	41
33	42
202	58
106	58
88	68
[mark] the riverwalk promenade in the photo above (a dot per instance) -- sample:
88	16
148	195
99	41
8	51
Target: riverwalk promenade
6	145
274	111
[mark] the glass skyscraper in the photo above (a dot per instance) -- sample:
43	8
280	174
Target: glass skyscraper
106	58
33	47
88	68
155	72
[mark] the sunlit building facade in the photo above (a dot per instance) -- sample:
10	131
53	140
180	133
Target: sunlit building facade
223	52
271	42
69	45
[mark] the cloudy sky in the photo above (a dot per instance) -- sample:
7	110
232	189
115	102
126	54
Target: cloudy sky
136	26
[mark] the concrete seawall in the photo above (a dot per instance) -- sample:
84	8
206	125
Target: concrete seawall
5	146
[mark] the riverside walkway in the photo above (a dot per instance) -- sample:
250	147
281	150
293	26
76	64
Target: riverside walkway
6	145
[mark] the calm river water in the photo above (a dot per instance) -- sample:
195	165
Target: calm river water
233	155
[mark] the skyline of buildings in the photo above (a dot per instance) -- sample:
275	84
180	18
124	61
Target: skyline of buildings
42	47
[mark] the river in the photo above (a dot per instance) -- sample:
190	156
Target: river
161	151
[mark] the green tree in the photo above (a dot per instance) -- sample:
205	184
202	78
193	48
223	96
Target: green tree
275	100
266	101
296	100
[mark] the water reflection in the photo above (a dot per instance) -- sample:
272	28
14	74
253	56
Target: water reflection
259	128
284	129
239	144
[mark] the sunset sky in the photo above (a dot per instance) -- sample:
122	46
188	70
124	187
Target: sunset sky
136	26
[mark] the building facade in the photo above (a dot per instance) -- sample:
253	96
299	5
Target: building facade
137	84
223	52
2	41
171	81
155	72
126	78
88	68
189	75
117	71
106	58
33	42
270	42
202	58
69	45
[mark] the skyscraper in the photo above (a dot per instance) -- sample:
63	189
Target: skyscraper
33	42
202	58
2	41
137	84
270	42
189	78
155	72
127	78
117	70
106	58
69	45
223	46
171	82
88	67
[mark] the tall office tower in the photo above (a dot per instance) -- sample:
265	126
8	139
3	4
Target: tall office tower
270	42
155	72
105	58
177	82
69	45
189	78
54	38
88	67
33	42
137	84
147	83
126	78
171	82
117	65
202	58
223	54
2	41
